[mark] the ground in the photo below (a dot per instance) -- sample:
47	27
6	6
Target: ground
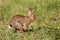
46	26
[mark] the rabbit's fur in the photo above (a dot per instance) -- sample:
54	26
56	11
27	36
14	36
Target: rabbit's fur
21	22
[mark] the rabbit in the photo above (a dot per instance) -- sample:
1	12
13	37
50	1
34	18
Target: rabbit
21	22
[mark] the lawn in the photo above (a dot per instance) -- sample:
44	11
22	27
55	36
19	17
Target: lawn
46	26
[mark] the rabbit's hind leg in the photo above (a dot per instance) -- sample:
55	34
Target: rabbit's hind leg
19	27
21	30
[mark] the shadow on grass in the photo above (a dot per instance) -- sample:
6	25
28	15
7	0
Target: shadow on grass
30	30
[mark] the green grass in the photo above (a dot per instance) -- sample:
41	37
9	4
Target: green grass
45	27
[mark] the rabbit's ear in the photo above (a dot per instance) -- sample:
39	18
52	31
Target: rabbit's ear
30	11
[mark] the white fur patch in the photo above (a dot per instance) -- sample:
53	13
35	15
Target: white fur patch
9	27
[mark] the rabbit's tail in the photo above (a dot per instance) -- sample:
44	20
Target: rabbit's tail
9	26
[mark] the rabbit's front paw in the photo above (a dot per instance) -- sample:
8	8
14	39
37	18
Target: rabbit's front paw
25	28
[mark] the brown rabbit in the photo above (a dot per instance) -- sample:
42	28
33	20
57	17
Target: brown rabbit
21	22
